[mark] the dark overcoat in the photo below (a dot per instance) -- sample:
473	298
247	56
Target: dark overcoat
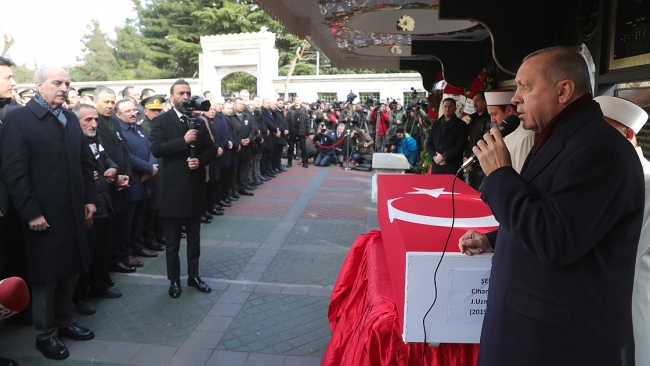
269	123
281	122
142	161
101	163
245	127
116	149
561	282
183	189
154	201
450	144
48	171
220	142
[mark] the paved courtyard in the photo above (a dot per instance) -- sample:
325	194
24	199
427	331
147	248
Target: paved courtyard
271	261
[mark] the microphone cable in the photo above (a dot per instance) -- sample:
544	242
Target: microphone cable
442	256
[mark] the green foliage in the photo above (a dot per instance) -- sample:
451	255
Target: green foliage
424	163
23	74
237	81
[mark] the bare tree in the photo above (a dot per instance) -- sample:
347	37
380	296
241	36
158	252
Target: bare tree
9	41
300	55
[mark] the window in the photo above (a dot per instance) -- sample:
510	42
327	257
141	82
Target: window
363	96
291	96
407	97
327	97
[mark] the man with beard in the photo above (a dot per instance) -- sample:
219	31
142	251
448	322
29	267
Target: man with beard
47	169
143	167
447	140
109	130
184	153
298	120
99	233
153	230
281	142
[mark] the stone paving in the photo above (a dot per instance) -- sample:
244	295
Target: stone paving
271	261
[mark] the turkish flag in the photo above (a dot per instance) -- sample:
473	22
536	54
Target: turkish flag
416	213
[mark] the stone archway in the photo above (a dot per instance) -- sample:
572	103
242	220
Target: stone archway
253	53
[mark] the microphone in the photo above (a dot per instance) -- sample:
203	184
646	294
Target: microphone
508	125
14	296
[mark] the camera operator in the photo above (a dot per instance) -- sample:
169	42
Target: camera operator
405	144
396	114
335	114
380	115
363	146
412	120
349	117
324	137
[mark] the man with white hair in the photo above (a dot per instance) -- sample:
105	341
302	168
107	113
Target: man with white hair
46	165
520	141
628	119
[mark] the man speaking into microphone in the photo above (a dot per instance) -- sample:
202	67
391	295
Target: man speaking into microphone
184	153
564	253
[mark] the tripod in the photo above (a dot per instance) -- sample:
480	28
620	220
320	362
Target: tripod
347	167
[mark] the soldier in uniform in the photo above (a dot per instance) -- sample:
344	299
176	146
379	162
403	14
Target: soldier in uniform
153	229
26	95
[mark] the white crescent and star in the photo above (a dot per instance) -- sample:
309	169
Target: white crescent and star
463	222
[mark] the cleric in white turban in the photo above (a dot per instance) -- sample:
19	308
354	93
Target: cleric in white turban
628	119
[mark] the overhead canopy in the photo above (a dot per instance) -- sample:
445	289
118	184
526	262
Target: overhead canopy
455	37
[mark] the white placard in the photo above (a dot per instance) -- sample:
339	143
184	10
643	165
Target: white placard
468	291
469	106
421	292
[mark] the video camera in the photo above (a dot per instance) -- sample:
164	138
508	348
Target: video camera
416	102
351	98
194	103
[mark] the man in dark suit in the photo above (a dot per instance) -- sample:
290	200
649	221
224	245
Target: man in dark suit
153	230
183	154
564	254
143	167
244	121
283	126
46	166
269	139
447	140
109	131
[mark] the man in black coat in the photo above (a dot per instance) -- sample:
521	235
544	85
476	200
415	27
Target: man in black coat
564	255
49	175
479	125
244	121
109	130
298	120
99	233
447	140
183	155
269	140
283	126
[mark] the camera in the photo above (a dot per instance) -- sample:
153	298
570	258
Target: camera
351	97
393	104
192	125
370	102
195	103
323	130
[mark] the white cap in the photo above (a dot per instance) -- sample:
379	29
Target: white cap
623	111
499	97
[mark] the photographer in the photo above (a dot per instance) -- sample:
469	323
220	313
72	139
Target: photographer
405	144
411	121
396	114
380	115
349	117
325	138
363	146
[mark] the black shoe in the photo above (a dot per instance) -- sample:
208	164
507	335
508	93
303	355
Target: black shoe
281	169
265	178
305	165
205	220
249	188
156	247
233	198
111	283
53	349
246	192
121	268
107	293
219	213
224	203
198	284
83	306
288	165
7	362
76	333
175	289
214	211
207	215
